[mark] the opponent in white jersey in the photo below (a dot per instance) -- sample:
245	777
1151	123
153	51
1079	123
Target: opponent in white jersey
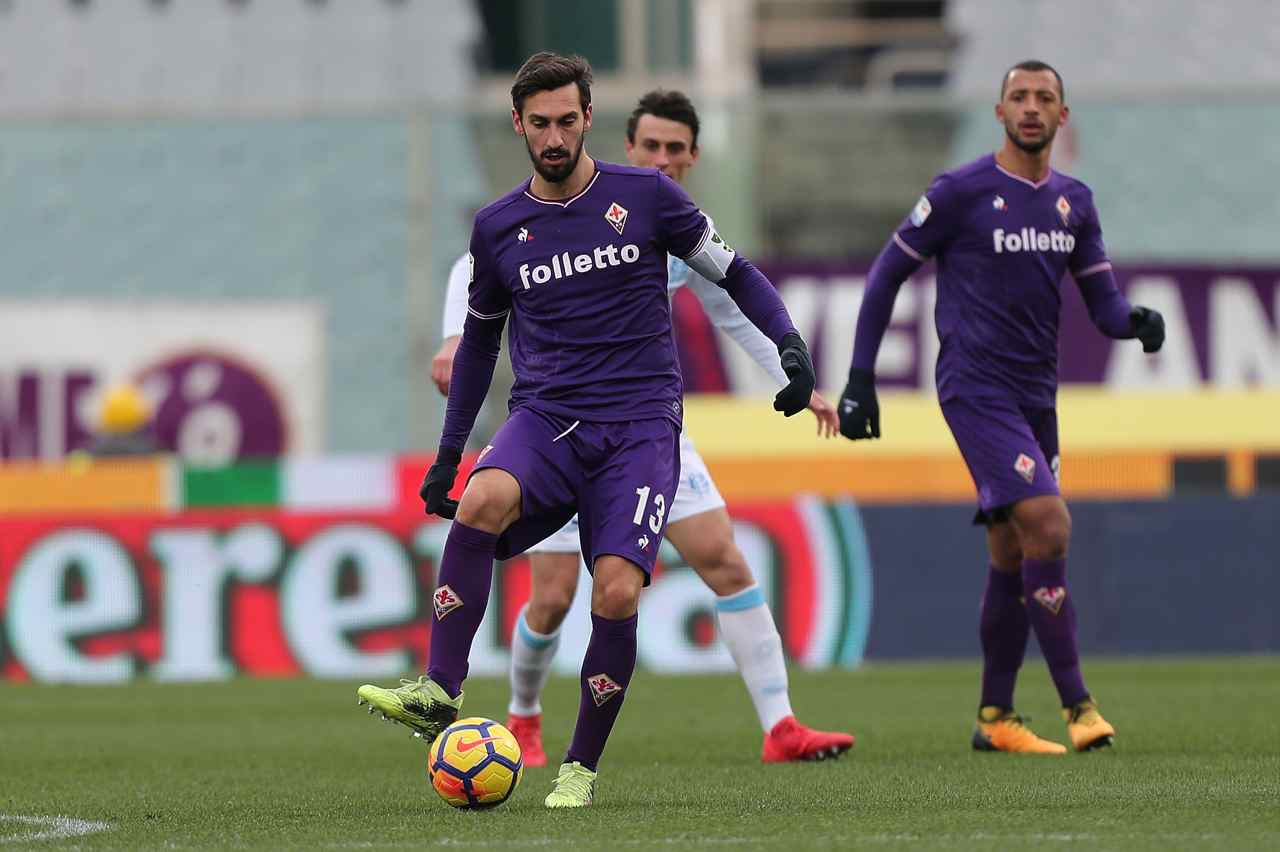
662	133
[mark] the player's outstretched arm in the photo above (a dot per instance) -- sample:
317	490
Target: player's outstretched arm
1112	313
473	367
755	296
488	303
1108	308
683	230
725	315
859	408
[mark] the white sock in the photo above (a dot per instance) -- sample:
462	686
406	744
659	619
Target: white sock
531	655
746	624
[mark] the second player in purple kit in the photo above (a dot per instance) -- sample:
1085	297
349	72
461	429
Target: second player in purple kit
575	260
1004	229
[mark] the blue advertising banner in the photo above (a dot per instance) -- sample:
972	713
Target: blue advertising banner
1189	575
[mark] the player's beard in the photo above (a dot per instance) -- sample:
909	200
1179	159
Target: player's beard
1011	130
556	172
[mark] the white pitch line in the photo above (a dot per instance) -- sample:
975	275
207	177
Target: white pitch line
50	827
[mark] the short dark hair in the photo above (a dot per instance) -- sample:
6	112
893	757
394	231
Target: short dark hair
545	71
1033	65
672	105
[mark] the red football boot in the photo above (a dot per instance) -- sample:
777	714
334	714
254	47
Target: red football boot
528	732
789	740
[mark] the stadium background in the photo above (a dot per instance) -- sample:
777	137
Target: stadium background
249	209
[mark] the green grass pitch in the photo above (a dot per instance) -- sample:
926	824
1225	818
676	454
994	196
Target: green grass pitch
294	764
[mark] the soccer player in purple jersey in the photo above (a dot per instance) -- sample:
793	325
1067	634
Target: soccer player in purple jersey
1004	229
662	133
577	257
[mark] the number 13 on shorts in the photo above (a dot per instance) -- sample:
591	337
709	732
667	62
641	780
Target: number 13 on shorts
656	516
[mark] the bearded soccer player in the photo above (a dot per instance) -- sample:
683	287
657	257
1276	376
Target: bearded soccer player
577	256
662	133
1004	229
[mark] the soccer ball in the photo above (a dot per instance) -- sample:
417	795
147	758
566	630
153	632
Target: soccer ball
475	763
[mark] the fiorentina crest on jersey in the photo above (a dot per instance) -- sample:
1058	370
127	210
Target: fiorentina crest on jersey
1050	598
1064	209
616	216
1025	466
602	687
445	601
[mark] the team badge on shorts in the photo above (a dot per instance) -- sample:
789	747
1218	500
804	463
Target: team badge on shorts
1064	209
643	542
445	601
1025	466
616	216
1050	598
603	688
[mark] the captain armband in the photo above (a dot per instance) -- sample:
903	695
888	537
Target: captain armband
712	257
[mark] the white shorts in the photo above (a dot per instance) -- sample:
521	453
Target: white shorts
697	493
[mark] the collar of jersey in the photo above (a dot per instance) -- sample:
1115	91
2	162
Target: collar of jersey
1020	178
567	201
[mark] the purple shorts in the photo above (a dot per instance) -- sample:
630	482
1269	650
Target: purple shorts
1011	451
620	478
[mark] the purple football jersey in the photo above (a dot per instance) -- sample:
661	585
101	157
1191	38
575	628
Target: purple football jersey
1002	245
585	282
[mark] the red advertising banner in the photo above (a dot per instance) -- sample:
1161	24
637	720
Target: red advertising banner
214	594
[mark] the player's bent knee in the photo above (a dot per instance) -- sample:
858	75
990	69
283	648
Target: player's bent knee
615	590
724	569
548	607
491	501
1004	547
546	617
554	583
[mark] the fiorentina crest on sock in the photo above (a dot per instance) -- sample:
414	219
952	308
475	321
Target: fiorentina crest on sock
1050	598
603	688
445	601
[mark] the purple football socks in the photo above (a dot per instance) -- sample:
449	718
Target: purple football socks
1053	617
606	671
1004	628
460	598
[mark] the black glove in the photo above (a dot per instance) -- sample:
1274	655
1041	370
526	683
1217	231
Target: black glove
438	482
798	366
1148	326
859	408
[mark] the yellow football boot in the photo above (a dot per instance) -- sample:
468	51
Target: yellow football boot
1086	727
421	705
1001	729
575	787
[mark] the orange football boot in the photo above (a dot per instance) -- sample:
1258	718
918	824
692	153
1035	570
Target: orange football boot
1001	729
1086	727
